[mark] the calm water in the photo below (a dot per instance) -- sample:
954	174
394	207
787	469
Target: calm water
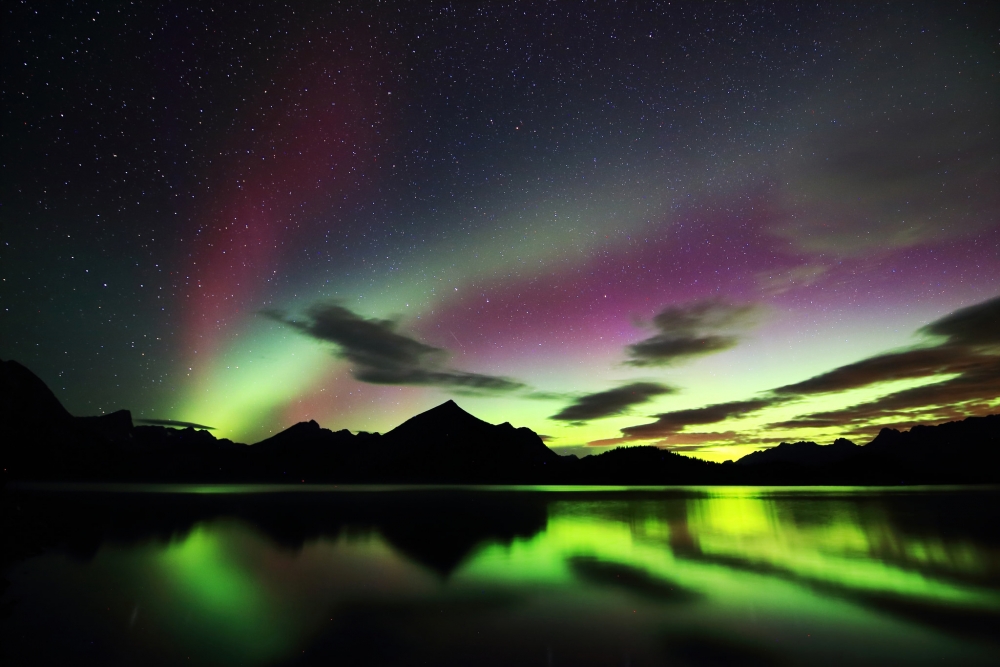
584	576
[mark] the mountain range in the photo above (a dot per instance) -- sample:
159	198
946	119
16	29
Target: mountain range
41	440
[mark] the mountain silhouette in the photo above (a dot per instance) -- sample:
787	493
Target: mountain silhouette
447	443
41	440
26	399
974	436
803	453
304	450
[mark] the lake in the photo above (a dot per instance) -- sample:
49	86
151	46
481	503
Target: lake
250	575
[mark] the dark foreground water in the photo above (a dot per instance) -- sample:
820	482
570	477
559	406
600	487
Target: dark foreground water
519	576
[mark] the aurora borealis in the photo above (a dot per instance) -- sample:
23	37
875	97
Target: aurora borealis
710	227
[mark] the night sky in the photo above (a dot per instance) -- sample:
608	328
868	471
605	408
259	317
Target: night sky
710	227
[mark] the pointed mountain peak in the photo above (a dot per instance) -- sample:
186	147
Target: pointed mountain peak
448	410
448	415
449	406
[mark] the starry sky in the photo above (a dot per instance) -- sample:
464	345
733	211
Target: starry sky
705	226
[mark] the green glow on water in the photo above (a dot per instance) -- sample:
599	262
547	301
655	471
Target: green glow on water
843	551
745	556
750	534
223	602
825	575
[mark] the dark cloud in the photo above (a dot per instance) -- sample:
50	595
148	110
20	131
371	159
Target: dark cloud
670	423
966	363
694	441
174	422
972	392
966	332
663	349
968	353
975	325
611	402
548	395
926	362
692	329
381	355
707	314
701	439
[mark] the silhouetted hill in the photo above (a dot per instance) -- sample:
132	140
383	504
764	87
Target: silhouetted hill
971	437
644	465
962	452
26	400
446	444
803	453
115	426
308	452
42	440
967	450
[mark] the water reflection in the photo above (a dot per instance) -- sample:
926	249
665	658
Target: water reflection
678	576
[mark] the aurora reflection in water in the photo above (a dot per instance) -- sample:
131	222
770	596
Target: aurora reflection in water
502	576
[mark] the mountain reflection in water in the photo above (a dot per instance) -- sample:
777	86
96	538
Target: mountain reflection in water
162	575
